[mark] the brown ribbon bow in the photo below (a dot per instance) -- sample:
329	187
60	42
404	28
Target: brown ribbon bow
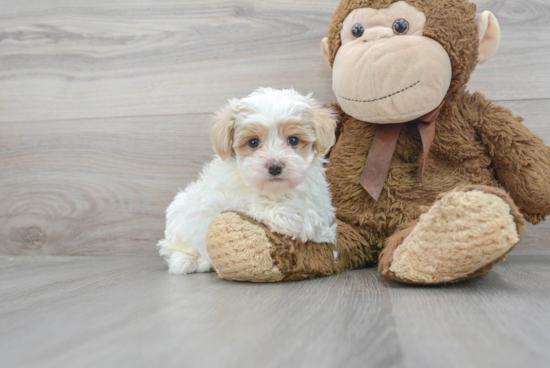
383	146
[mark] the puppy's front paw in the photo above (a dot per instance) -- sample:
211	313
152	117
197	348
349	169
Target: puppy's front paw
182	264
288	222
324	235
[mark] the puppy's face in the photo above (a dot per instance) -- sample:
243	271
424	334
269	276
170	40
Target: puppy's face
274	136
274	156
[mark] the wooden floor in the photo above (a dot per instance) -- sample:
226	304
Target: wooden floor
126	311
105	108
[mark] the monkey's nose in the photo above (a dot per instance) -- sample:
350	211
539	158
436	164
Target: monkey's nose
377	33
275	168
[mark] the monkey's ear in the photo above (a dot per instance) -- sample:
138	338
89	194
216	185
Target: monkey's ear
489	36
222	132
324	49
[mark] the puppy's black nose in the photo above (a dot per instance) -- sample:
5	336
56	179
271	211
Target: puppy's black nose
275	168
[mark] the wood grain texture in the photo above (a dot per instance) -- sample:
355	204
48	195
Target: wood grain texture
519	70
75	60
136	58
501	320
105	106
95	186
126	311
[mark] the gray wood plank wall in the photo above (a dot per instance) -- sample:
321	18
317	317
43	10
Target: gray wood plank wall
105	106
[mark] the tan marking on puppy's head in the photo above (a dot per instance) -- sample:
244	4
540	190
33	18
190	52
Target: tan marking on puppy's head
222	132
324	124
244	133
303	130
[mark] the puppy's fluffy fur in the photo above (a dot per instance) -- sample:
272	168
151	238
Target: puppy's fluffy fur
279	183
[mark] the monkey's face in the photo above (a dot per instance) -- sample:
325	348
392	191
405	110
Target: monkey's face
386	71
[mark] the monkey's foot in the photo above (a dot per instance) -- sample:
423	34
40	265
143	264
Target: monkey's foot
242	249
463	235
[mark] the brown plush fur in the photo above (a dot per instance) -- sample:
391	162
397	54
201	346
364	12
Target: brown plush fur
233	240
461	154
297	260
476	143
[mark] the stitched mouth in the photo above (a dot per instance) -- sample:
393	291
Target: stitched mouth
381	98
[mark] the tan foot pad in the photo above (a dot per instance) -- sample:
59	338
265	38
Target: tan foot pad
462	232
240	250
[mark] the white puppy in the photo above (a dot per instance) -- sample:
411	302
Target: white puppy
270	153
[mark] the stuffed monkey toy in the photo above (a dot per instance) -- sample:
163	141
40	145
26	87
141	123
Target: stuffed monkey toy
430	182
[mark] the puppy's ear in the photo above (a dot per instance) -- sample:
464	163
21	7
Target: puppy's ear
222	132
324	120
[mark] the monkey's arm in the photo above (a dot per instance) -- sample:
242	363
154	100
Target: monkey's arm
521	159
242	249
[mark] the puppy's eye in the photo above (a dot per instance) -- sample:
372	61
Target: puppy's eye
357	30
401	26
293	141
253	143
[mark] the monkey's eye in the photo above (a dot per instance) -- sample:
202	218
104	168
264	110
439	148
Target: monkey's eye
293	141
357	30
254	143
401	26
